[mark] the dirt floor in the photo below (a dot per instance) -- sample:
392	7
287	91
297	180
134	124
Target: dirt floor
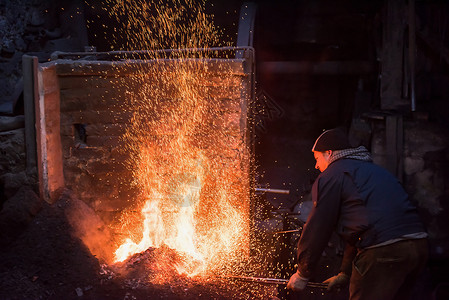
59	251
48	260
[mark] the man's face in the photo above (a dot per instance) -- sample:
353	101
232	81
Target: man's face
322	159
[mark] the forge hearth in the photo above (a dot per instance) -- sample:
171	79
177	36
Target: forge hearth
85	107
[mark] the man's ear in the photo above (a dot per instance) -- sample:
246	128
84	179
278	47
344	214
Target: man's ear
328	153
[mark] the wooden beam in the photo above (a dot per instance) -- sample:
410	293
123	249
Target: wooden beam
412	51
319	68
29	66
394	144
392	55
432	42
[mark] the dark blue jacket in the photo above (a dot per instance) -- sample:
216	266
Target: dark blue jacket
363	202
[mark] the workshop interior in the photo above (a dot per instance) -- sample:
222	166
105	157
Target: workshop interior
170	142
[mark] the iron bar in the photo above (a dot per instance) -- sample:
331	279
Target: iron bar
287	231
275	191
272	281
59	54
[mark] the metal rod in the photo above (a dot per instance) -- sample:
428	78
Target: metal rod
412	51
272	281
275	191
287	231
58	54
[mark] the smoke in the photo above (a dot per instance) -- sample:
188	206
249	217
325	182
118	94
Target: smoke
88	227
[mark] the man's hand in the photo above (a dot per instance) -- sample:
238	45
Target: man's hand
337	281
297	283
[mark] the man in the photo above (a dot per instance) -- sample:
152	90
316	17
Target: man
386	244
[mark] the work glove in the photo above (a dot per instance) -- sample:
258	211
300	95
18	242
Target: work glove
297	282
337	281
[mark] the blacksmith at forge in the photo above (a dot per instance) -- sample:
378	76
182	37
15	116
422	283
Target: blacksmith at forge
386	243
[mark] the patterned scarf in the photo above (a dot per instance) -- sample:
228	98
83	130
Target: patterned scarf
360	153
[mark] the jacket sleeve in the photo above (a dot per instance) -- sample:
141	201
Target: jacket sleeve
320	224
348	257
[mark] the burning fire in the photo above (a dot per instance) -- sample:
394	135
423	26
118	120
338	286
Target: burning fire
188	153
191	173
178	202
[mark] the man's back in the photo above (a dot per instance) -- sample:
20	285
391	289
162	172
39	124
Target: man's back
390	212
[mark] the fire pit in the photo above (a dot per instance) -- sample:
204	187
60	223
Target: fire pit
159	148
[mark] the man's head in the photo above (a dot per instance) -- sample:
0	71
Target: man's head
322	159
326	143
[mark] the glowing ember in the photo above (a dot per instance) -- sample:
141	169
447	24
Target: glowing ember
187	148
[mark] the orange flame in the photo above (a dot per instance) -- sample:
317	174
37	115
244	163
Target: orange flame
179	216
188	154
193	182
181	197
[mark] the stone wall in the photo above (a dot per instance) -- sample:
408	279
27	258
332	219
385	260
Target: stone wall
35	27
426	168
424	173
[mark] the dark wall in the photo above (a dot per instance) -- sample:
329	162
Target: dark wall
305	101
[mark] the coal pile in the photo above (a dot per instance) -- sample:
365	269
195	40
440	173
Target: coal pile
155	270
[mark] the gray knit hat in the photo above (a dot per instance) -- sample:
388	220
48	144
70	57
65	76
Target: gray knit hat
332	139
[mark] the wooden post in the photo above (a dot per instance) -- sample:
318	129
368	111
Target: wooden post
29	67
392	54
48	135
394	145
412	51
